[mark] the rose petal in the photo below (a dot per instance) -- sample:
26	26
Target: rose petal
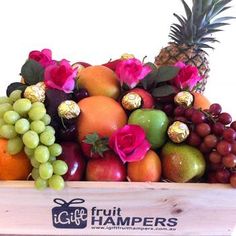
194	81
44	57
69	84
180	64
120	153
138	153
129	143
145	71
138	131
187	77
47	52
60	76
131	71
65	62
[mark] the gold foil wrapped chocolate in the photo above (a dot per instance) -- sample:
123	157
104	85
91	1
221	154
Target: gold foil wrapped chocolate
126	56
178	132
184	98
68	109
35	93
131	101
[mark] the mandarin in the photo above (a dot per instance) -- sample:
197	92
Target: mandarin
100	114
200	101
13	167
99	80
146	170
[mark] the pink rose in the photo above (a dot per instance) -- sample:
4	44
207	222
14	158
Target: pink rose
131	71
60	76
187	77
130	143
44	57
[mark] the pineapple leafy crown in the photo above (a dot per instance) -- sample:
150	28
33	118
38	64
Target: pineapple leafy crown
196	28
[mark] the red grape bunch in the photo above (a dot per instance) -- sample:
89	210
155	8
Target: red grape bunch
214	133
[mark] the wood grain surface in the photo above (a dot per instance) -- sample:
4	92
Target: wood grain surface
135	209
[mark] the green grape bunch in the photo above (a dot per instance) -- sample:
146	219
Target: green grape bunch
26	126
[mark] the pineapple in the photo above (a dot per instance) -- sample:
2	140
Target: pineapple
193	35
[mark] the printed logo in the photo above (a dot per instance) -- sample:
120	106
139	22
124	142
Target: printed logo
68	216
71	215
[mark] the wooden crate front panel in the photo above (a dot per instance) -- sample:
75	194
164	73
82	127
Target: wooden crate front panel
118	209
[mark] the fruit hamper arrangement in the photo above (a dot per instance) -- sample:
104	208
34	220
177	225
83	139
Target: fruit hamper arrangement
125	120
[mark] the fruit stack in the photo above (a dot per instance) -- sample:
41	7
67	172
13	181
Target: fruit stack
125	120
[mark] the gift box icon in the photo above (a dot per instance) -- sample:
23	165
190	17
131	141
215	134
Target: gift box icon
67	215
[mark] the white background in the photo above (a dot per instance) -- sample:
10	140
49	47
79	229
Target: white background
97	30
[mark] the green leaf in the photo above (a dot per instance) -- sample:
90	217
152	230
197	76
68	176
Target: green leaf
205	32
163	91
176	33
177	26
174	39
217	25
203	45
221	19
208	39
206	4
152	65
32	72
98	145
219	6
197	9
187	9
147	82
41	75
150	79
100	149
91	138
166	73
181	20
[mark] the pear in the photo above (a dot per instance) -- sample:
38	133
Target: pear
182	163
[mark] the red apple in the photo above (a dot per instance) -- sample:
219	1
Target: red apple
147	99
72	155
108	168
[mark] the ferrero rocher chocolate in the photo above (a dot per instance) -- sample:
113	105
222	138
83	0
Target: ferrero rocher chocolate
184	98
68	109
41	85
126	56
178	132
131	101
35	93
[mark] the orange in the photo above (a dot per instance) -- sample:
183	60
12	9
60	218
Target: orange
146	170
99	80
100	114
13	167
200	101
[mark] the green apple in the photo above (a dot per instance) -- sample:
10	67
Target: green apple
154	122
182	163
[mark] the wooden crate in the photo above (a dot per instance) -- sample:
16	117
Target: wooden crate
103	208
